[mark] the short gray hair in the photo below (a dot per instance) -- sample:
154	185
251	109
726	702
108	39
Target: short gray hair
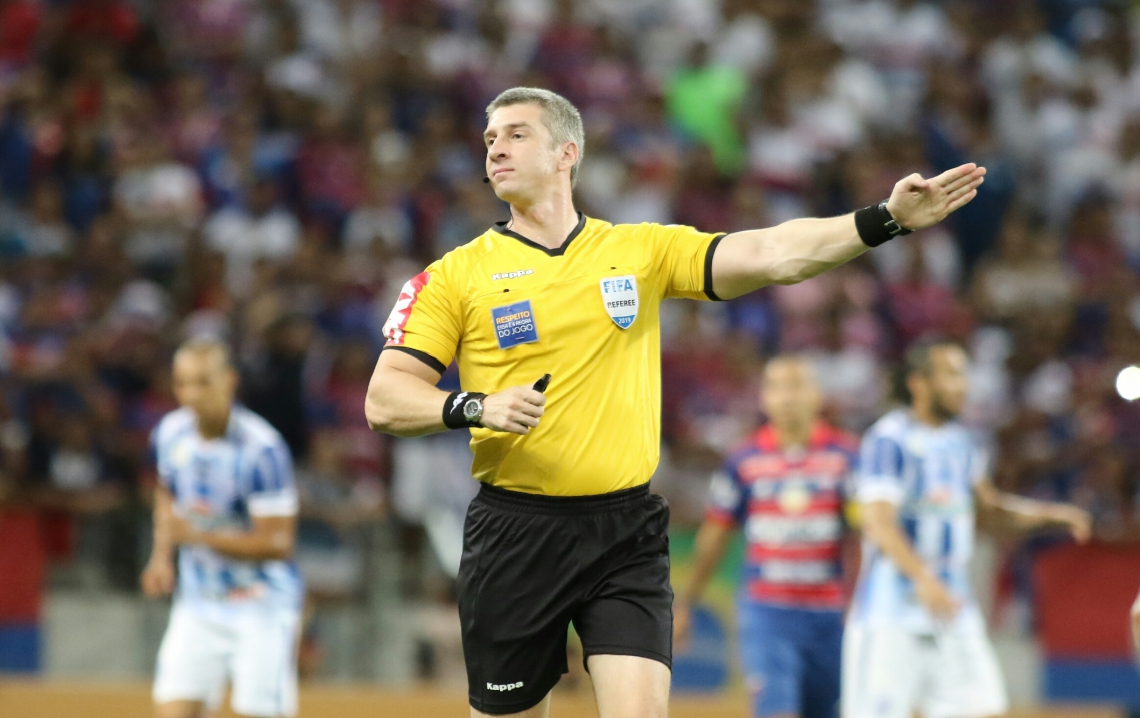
561	117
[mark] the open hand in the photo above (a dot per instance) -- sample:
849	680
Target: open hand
1076	519
937	598
515	410
158	578
916	203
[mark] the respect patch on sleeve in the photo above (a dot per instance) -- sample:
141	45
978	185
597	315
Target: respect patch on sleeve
514	324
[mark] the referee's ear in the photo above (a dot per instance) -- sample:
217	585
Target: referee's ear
569	159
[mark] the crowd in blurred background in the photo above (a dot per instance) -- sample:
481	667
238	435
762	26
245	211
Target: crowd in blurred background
272	171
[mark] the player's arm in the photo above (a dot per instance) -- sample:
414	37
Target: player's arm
158	577
712	540
802	248
403	400
1028	514
881	527
1134	614
726	511
270	538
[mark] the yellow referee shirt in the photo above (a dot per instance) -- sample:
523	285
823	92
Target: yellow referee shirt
510	310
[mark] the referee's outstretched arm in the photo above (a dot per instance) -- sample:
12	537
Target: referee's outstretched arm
802	248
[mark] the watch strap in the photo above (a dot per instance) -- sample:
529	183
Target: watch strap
453	416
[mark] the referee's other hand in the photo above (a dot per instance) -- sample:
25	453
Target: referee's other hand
515	410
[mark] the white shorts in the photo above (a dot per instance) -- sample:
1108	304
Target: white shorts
256	651
891	673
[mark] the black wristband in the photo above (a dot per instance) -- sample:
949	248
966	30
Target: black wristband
453	417
876	225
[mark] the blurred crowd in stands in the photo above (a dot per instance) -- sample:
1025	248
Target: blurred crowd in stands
272	171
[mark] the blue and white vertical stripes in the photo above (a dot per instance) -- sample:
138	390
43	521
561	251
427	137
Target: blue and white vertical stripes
929	473
220	484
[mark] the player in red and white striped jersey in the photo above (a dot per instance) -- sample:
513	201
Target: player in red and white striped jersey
785	489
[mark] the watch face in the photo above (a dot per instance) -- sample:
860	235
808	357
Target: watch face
473	409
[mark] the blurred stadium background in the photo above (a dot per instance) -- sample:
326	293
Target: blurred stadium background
274	170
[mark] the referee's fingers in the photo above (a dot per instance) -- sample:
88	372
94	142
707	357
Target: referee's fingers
529	409
954	173
527	393
519	417
516	425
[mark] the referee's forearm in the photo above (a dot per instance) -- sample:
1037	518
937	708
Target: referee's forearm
785	254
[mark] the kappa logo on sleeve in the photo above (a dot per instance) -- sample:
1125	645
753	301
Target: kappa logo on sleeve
620	297
514	324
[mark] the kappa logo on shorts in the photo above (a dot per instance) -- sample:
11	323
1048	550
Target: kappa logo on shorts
514	324
504	686
620	297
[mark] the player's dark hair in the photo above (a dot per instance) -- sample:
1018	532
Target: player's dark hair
206	344
917	360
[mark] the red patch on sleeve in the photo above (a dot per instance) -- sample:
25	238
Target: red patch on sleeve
398	319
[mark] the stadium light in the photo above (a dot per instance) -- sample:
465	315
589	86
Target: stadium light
1128	383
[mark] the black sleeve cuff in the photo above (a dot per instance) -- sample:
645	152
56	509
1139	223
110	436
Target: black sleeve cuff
708	268
422	356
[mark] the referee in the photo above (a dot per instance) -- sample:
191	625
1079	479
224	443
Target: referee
564	528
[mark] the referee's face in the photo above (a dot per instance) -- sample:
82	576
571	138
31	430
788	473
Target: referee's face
523	161
790	394
205	384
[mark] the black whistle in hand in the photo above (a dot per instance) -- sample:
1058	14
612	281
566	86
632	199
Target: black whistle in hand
541	384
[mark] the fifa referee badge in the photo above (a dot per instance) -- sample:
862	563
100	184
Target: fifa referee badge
620	297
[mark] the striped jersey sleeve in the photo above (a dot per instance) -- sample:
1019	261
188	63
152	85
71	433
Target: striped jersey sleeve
727	497
881	465
272	490
163	438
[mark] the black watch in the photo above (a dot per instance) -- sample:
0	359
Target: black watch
890	224
473	411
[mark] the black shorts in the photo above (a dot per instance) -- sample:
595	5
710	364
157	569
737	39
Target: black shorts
534	564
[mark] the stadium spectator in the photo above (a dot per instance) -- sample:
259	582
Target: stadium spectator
262	229
704	99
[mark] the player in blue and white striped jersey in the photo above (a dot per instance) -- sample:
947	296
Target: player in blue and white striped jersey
226	503
915	638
